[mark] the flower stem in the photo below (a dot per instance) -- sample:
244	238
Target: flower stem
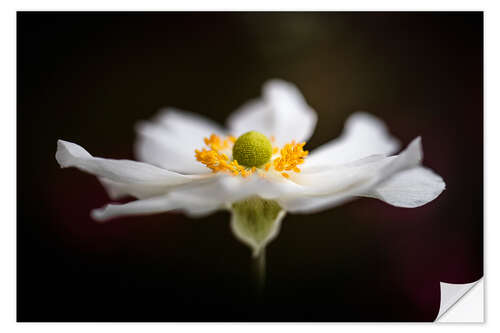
259	270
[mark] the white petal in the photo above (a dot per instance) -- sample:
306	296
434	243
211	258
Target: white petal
282	113
223	190
296	120
334	187
118	190
139	207
136	176
169	140
407	159
339	184
342	178
186	123
158	203
363	135
410	188
255	115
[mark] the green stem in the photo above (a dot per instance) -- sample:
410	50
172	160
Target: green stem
259	270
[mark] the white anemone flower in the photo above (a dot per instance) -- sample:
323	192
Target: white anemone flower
256	167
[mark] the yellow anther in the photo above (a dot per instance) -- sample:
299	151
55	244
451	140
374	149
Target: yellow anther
215	142
212	159
291	155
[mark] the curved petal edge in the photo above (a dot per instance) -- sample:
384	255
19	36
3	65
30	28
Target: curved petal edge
410	188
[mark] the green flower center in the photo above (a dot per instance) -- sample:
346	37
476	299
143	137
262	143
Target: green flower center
252	149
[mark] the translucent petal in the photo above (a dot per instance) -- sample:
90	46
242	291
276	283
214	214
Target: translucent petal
139	207
223	189
118	190
339	184
124	176
363	135
282	112
170	139
410	188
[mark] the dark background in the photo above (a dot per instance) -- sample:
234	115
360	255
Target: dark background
88	77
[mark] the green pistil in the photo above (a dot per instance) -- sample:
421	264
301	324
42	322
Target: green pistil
252	149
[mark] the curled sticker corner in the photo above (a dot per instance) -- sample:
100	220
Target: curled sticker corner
452	293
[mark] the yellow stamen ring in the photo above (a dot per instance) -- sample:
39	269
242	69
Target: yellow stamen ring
290	156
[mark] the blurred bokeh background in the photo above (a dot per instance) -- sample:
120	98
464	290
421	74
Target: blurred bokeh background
89	77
